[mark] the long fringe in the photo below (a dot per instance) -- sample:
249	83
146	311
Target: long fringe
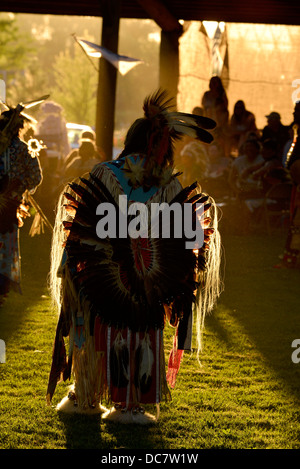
211	281
89	371
58	239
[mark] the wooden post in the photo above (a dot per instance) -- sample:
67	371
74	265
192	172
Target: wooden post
169	62
171	30
107	82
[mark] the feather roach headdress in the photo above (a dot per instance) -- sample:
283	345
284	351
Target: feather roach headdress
154	134
12	120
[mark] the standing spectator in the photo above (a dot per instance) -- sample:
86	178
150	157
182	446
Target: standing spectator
86	135
87	157
52	130
215	105
213	97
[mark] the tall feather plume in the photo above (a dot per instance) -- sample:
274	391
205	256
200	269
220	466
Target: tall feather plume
157	104
157	107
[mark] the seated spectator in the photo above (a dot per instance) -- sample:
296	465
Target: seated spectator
246	188
264	171
190	155
241	123
241	178
198	110
276	131
217	163
192	162
216	181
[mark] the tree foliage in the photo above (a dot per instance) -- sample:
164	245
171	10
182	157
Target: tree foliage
16	49
75	86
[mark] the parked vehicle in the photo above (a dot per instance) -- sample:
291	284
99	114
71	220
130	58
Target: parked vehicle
74	133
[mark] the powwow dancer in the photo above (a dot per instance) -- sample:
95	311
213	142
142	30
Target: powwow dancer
19	172
291	257
115	294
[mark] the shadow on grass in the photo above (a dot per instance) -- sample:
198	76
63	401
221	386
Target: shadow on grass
264	300
89	432
35	255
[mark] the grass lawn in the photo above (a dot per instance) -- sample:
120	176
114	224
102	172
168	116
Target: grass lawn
245	395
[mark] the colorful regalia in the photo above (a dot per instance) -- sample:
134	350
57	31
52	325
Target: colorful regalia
19	172
291	258
116	293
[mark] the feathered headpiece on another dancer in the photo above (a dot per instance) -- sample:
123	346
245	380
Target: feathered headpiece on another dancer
12	120
154	135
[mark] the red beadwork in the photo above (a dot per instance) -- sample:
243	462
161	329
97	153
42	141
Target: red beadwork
142	253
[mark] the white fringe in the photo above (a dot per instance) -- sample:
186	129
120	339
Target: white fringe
211	282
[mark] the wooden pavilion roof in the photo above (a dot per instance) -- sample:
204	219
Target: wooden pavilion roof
254	11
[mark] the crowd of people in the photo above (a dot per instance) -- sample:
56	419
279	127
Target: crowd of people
244	162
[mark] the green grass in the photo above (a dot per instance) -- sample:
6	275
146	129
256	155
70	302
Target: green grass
245	395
